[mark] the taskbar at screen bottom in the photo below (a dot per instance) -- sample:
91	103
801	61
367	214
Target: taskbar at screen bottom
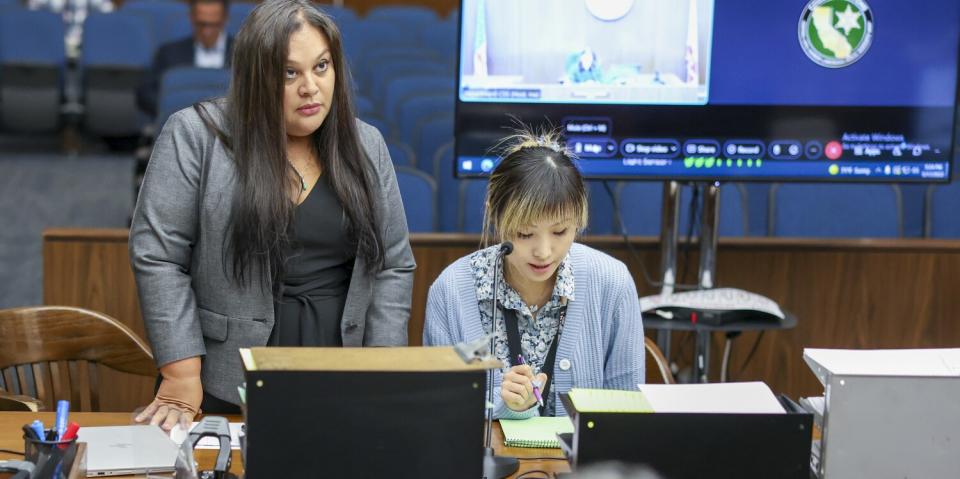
741	169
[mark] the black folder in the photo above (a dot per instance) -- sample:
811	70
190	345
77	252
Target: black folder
695	445
363	412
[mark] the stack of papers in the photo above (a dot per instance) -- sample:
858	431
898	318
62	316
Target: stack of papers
726	398
887	362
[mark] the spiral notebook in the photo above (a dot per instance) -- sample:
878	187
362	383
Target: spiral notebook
538	432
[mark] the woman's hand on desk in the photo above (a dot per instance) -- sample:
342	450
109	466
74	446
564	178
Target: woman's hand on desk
516	389
178	397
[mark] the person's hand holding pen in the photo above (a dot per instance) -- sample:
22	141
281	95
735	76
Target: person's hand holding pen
517	387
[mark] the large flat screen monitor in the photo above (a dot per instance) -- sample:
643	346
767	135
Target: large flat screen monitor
804	90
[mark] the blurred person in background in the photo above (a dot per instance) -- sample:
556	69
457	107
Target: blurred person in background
210	46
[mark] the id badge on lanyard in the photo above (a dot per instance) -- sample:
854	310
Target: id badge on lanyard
513	342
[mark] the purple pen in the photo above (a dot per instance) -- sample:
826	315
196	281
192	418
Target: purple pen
536	384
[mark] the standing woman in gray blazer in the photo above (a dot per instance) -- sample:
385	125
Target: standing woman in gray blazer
269	217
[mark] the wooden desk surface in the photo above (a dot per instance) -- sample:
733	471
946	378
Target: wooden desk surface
11	437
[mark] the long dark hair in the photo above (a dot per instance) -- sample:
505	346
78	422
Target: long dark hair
263	212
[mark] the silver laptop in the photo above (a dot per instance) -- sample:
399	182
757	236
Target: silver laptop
117	450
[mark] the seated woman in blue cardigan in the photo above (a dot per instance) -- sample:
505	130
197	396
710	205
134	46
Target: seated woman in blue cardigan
573	310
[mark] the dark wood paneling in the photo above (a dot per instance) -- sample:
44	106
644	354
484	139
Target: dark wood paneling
845	293
857	298
91	269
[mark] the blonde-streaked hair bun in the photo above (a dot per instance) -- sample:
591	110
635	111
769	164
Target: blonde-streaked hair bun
526	137
537	179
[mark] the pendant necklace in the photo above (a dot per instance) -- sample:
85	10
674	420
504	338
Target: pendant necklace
303	184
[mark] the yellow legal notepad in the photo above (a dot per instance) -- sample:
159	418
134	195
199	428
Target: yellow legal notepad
535	432
609	400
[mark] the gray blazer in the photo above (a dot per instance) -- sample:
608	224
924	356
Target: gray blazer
192	307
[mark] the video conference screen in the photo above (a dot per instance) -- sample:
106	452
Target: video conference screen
805	90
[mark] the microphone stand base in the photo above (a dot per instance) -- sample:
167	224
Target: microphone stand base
498	467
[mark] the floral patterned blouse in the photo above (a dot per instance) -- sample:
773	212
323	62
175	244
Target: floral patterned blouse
538	327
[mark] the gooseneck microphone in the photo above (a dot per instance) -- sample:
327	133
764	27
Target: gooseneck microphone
496	467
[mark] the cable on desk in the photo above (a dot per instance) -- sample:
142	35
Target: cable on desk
551	458
11	451
527	475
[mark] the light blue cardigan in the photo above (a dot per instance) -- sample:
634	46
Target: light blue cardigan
601	344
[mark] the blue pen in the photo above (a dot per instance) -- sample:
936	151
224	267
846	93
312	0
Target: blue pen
536	384
38	428
63	410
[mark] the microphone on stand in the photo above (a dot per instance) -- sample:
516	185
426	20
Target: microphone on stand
496	467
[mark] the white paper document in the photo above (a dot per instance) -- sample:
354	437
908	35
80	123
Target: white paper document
178	435
726	398
887	362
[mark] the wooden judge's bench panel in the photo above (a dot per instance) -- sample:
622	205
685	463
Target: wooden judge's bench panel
845	294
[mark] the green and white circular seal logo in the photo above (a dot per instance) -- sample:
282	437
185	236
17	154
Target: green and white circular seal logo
836	33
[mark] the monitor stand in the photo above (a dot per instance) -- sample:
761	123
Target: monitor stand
709	224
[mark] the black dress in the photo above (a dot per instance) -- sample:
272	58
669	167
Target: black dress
317	274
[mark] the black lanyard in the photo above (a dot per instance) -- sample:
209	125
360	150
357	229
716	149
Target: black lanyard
513	342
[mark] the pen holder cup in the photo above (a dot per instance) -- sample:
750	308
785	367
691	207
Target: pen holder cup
42	453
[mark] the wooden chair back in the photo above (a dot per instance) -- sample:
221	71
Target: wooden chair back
658	368
53	352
